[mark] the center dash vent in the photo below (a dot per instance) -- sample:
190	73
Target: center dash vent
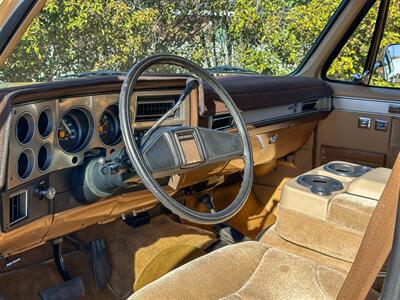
18	207
151	109
222	122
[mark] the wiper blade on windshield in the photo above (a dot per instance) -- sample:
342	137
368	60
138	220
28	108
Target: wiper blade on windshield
229	70
93	74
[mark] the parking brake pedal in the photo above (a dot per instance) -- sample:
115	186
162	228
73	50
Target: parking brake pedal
139	219
100	264
68	290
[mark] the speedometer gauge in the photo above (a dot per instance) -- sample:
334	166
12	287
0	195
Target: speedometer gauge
108	127
74	130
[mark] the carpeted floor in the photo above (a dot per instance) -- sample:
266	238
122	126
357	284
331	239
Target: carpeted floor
129	251
255	215
27	282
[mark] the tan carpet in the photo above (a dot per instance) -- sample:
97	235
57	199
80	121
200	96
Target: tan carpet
130	249
166	261
25	283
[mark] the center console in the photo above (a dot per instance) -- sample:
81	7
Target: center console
328	208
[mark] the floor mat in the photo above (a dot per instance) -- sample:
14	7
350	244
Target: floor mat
130	249
25	283
166	261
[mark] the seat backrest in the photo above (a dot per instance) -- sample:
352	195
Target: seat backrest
377	242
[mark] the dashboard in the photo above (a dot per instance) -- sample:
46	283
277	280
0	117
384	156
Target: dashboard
54	129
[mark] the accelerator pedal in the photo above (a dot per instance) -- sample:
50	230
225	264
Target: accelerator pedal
100	265
72	289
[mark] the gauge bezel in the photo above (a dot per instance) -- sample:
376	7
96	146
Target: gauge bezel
50	122
49	157
31	164
89	135
31	128
117	140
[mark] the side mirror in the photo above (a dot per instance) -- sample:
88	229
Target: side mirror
388	65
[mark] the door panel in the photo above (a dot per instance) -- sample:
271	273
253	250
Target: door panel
341	136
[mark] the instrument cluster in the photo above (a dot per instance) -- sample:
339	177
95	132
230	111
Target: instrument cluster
57	134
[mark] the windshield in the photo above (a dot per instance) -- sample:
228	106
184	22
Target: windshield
70	37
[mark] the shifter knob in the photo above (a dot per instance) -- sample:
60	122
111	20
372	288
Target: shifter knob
49	193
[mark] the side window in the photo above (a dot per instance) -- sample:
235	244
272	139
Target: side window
350	62
391	44
351	59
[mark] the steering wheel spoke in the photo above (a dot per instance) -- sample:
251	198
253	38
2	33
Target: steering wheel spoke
175	150
172	150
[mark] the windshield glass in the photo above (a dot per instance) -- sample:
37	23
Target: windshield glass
227	36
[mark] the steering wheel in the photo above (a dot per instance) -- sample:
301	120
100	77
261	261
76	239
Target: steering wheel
179	149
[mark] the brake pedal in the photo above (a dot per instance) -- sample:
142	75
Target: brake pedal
72	289
100	265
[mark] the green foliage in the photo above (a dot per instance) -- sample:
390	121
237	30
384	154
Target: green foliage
352	57
267	36
73	36
391	36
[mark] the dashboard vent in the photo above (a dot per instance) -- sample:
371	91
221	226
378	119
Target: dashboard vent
309	106
18	207
222	122
151	109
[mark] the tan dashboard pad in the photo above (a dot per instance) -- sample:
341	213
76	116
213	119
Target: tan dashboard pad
24	237
101	211
134	201
289	139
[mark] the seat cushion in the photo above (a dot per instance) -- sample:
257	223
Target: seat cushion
249	270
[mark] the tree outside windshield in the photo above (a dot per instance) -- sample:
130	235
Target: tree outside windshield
74	36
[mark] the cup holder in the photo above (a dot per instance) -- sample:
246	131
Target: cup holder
347	170
320	185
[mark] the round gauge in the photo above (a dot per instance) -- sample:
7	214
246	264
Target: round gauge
74	130
108	127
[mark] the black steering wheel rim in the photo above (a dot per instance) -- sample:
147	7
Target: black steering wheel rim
139	163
